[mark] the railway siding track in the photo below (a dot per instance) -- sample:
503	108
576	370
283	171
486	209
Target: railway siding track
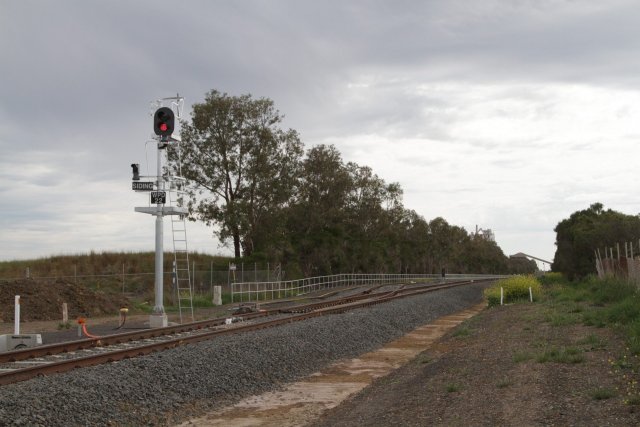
25	364
166	388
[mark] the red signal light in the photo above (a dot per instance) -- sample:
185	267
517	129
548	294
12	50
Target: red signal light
163	122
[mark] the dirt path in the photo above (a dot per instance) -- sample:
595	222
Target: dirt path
514	365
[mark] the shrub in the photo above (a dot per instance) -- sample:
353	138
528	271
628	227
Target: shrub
552	278
516	288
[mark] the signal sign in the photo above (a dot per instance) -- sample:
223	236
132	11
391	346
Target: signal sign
158	197
142	185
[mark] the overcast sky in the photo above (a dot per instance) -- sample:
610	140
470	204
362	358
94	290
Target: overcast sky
509	115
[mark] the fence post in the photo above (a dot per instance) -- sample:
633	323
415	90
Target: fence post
123	278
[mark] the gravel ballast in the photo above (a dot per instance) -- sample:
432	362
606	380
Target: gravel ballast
170	386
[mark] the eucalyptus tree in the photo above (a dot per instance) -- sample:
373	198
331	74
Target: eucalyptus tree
243	164
317	220
374	209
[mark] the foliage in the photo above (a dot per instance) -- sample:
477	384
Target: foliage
244	166
552	278
515	289
312	212
584	231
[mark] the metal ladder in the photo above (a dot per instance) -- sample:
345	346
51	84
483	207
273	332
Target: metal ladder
182	277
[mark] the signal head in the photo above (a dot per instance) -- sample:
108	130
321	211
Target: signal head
163	121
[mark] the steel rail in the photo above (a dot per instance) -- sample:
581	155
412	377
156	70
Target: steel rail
116	355
125	337
87	343
120	338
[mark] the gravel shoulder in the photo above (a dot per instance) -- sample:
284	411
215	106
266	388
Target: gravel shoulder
524	364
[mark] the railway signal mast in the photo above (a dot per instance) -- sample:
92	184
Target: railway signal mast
163	127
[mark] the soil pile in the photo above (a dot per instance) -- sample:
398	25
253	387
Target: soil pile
42	300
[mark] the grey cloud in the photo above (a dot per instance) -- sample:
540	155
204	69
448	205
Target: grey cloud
77	77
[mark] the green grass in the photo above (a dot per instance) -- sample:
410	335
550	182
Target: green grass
632	333
595	302
453	388
462	331
570	355
593	341
563	319
64	325
552	279
609	290
625	311
602	394
144	307
522	356
101	263
633	400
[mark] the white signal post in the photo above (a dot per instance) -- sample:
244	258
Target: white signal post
158	317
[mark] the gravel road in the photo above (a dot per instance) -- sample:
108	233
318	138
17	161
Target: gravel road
174	385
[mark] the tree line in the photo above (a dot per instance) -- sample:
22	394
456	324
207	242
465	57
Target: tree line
310	210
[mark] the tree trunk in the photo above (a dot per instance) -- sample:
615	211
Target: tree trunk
236	243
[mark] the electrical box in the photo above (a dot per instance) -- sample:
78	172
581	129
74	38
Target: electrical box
18	342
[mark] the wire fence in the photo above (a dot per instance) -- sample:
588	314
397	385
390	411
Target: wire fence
250	282
257	291
203	278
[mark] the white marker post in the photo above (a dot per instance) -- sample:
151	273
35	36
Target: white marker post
16	324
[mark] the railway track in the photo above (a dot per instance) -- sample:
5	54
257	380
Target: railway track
21	365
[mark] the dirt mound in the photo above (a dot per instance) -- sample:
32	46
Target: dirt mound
42	300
